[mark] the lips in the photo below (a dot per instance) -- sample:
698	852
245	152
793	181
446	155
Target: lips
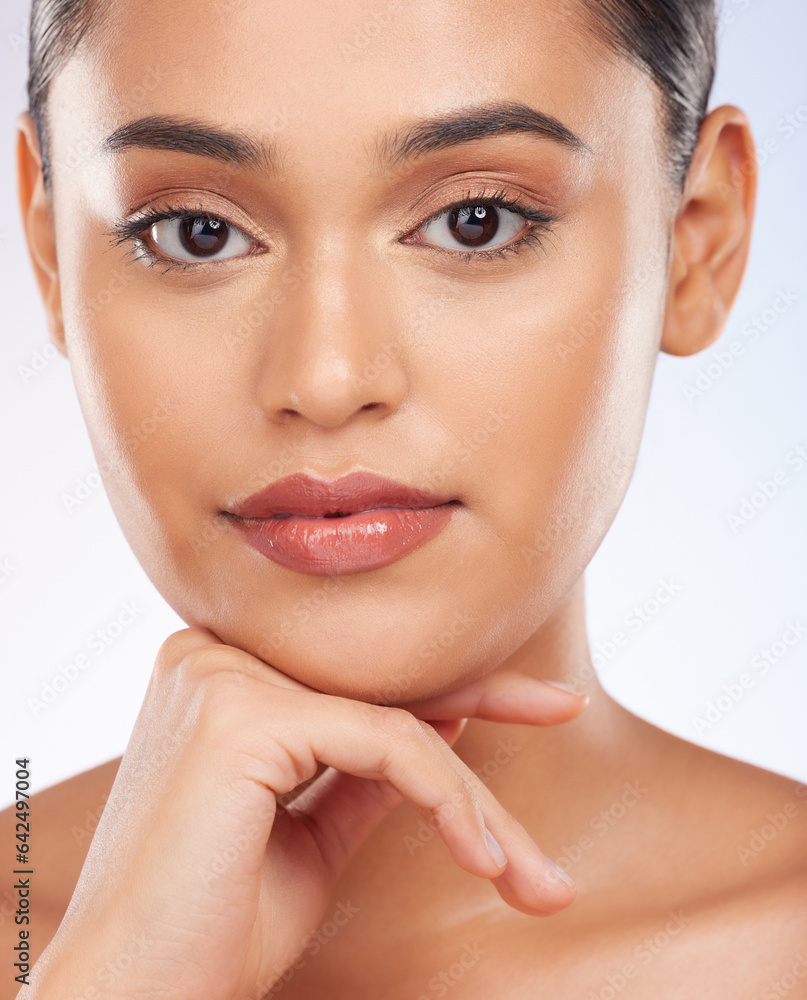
323	527
305	495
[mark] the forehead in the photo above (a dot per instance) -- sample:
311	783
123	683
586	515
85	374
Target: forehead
327	80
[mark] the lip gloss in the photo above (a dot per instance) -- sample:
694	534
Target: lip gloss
339	544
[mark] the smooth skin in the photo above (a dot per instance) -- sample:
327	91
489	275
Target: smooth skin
342	341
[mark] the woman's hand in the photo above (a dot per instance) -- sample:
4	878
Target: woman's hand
208	884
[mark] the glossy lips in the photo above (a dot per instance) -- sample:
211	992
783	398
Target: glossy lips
327	527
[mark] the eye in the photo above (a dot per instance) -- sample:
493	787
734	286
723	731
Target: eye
198	237
467	227
484	226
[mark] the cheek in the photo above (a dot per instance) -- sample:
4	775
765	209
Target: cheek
550	408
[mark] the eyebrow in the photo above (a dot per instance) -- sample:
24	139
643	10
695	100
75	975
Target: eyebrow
425	135
474	122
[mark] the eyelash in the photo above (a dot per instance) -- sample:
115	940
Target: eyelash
132	231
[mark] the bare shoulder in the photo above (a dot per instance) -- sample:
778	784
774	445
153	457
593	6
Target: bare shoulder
758	820
62	819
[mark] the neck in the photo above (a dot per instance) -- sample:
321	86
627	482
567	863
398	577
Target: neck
554	779
569	785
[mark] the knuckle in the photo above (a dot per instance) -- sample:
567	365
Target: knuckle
180	644
399	724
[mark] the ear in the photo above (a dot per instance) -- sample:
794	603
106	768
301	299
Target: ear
712	233
37	220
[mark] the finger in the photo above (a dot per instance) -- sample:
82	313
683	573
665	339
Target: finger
505	695
543	885
387	744
243	664
346	808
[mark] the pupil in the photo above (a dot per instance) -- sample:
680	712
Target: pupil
474	225
202	235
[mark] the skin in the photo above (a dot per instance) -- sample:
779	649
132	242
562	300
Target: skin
247	401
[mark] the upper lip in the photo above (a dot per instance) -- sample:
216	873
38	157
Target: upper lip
358	491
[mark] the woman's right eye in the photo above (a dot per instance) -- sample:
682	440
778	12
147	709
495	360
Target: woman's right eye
192	238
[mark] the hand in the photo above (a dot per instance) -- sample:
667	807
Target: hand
208	883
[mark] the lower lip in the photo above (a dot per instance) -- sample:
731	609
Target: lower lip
329	546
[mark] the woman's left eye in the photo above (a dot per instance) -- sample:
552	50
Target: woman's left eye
481	226
191	238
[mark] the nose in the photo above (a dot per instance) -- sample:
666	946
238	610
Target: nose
331	354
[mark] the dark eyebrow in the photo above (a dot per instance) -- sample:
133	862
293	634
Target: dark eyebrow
174	134
474	122
182	135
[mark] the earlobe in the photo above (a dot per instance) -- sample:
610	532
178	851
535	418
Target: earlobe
712	233
38	225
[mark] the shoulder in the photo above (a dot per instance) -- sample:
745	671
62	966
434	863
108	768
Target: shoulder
764	823
62	819
747	848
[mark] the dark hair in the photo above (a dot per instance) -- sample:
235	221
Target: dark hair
674	41
671	40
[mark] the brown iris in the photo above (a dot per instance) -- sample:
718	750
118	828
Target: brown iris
202	235
474	224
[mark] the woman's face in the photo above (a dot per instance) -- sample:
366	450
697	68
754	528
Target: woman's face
339	329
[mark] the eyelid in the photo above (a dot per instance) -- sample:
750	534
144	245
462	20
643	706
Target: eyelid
173	205
134	231
486	192
542	220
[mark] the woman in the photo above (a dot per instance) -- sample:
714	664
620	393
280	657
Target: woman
397	303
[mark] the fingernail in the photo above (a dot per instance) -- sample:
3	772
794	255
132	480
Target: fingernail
495	850
564	875
566	687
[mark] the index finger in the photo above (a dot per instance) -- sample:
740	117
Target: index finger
180	643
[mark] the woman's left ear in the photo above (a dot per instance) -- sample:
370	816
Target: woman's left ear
712	233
